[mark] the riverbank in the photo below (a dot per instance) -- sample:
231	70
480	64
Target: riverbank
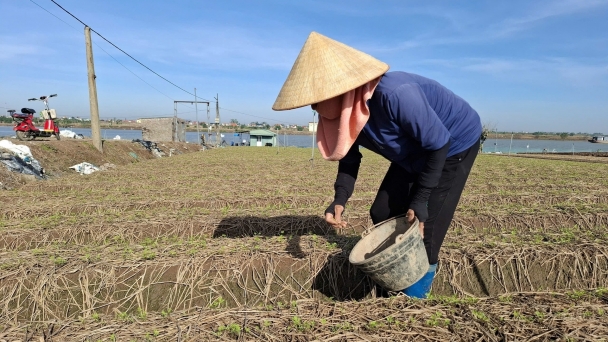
56	156
527	136
492	136
134	126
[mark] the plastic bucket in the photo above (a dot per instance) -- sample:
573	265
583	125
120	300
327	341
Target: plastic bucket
392	254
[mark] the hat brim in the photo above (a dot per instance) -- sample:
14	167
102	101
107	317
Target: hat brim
324	69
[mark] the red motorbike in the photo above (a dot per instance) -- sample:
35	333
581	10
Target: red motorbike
24	124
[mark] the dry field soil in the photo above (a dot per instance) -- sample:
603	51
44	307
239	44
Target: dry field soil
229	244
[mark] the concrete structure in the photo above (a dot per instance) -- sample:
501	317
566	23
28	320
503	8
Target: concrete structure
262	137
163	129
312	126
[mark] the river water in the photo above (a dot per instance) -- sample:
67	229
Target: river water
490	146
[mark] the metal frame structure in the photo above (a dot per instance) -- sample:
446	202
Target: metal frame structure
175	117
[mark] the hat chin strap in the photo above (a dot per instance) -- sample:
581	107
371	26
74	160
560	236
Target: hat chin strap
336	136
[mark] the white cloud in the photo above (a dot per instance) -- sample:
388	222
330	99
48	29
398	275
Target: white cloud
583	74
545	11
217	48
549	70
576	72
480	27
13	51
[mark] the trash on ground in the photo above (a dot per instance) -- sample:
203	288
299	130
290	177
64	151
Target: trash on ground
69	134
85	168
117	137
158	153
19	159
150	146
21	151
16	164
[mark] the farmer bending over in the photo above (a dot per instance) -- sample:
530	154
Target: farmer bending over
430	135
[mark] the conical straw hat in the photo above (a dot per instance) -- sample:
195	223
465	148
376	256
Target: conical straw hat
326	68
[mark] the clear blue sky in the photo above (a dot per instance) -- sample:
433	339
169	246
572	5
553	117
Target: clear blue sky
523	65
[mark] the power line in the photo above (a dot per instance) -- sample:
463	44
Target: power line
134	74
150	116
121	50
107	53
255	116
52	14
140	63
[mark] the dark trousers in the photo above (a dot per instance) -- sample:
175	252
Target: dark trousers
398	187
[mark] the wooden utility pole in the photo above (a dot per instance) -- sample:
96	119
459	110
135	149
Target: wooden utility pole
95	131
198	133
218	140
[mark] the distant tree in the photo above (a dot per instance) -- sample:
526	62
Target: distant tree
300	128
485	131
277	127
563	135
234	121
266	126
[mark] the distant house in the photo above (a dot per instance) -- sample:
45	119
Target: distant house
163	129
312	126
262	137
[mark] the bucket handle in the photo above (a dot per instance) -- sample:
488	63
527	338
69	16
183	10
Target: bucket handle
368	230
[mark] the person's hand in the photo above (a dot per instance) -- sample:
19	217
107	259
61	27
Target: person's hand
335	219
411	217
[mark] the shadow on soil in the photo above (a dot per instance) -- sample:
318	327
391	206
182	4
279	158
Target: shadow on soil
336	279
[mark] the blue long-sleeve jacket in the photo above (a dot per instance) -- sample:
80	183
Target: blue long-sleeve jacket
410	118
411	115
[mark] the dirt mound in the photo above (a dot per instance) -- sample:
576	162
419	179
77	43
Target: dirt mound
56	157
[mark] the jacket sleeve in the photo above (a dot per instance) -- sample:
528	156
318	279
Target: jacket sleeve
348	169
427	180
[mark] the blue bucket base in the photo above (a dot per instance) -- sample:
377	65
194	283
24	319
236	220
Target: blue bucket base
422	288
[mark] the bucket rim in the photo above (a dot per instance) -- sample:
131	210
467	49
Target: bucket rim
407	233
